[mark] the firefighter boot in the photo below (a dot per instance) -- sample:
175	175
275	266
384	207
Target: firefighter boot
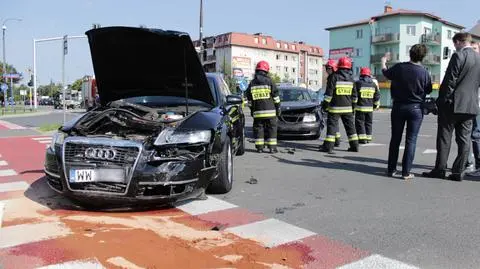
273	150
337	143
353	146
327	147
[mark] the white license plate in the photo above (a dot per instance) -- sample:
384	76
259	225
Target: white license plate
82	175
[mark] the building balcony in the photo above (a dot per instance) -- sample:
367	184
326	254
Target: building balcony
377	58
386	38
432	39
432	59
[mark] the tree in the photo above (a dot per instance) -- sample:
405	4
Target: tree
77	85
10	70
49	90
286	78
275	78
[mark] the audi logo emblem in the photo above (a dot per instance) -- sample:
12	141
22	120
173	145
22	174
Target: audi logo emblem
100	154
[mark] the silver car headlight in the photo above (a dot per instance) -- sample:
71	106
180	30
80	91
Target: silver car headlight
309	118
57	139
173	136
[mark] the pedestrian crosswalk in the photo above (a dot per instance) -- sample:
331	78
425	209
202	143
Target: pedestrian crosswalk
45	140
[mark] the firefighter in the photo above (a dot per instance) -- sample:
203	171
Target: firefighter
331	68
340	97
368	100
264	104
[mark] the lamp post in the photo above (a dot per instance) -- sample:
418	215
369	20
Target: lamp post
4	28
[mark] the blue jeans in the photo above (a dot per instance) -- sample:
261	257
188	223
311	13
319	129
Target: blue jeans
413	116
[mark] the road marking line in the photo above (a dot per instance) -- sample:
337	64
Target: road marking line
79	264
42	138
372	145
430	151
3	163
10	125
377	261
197	207
270	232
29	233
2	209
7	172
14	186
45	141
123	263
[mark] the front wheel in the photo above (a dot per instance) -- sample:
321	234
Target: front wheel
241	147
224	180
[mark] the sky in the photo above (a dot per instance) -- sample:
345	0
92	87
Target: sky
301	20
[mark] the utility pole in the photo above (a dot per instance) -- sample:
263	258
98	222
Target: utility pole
64	52
201	32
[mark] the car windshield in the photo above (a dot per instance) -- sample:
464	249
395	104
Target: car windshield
164	101
295	95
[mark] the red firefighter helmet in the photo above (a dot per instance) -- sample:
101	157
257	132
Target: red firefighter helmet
345	62
331	64
365	71
263	65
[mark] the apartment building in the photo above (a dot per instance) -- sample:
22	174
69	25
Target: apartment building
395	31
238	54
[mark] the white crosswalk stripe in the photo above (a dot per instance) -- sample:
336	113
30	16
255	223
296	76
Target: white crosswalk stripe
14	186
42	138
7	172
3	163
80	264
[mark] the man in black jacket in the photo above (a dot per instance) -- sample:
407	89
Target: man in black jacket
262	95
368	99
457	107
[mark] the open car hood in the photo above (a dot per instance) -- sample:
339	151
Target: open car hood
130	62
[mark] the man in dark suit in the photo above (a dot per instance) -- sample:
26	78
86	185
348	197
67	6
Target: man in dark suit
457	107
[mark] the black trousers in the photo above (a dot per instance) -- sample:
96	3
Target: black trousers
265	132
462	125
363	125
333	129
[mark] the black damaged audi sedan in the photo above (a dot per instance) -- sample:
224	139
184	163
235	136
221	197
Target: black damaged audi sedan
165	131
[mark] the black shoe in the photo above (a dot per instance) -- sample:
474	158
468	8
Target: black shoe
353	149
362	142
337	144
273	150
434	174
393	174
453	177
324	148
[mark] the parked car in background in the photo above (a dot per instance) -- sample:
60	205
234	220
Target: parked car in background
300	113
163	133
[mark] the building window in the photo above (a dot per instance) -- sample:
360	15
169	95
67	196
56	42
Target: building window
294	47
278	56
285	46
286	57
358	52
294	58
360	34
408	50
294	70
286	69
411	30
427	30
264	41
255	39
316	72
449	34
279	69
316	61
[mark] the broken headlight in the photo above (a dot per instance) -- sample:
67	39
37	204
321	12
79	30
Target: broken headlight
57	139
173	136
309	118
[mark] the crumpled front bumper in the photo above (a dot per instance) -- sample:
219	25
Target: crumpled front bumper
152	180
298	129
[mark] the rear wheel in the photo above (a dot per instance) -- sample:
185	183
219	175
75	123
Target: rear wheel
224	180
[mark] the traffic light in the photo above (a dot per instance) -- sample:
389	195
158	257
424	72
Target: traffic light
30	83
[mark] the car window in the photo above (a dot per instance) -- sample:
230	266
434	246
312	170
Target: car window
294	95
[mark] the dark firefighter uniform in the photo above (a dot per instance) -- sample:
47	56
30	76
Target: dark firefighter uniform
340	97
331	68
368	100
265	106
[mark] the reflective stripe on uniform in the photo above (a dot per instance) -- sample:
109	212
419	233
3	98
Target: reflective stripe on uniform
353	137
276	99
330	138
362	136
264	114
259	142
260	92
234	119
364	108
338	135
368	137
344	88
340	109
377	103
271	141
327	98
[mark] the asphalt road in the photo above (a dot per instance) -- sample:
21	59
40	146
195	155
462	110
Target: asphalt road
430	223
32	120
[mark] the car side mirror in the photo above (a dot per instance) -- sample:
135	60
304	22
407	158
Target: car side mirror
234	100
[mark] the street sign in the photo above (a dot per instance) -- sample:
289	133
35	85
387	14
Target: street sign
23	92
18	75
65	44
4	87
